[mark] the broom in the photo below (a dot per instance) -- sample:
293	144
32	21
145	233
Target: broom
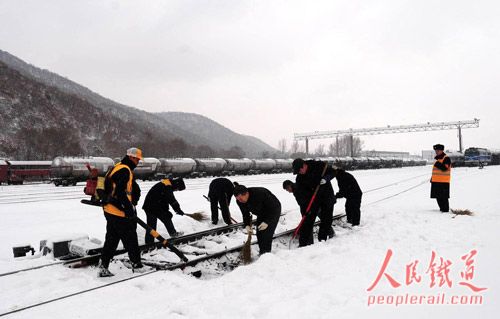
462	212
246	251
198	216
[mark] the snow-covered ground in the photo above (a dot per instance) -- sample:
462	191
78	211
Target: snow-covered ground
327	280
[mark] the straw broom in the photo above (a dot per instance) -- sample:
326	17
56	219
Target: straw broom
246	251
462	212
198	216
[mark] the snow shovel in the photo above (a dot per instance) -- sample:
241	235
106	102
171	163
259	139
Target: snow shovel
164	242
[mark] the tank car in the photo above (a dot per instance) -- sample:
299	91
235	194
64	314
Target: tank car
262	166
177	167
237	166
70	170
209	166
284	165
147	169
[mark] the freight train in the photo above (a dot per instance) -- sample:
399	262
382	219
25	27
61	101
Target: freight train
67	171
154	169
18	172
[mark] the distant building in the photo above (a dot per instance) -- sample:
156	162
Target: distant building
428	155
374	153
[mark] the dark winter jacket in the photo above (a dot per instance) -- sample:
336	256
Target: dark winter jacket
311	179
262	203
159	198
302	197
120	178
221	189
348	186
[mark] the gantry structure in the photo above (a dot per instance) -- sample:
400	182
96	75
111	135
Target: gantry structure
389	129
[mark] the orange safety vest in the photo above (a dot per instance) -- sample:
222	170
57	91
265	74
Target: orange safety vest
110	208
438	176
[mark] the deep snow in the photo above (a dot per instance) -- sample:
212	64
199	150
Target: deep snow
327	280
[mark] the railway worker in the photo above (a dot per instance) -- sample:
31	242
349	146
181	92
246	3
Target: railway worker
156	205
440	180
312	174
349	188
262	203
220	192
120	212
302	197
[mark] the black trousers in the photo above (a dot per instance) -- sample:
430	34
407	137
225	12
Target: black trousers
326	216
443	203
306	230
265	237
120	228
223	203
152	220
353	210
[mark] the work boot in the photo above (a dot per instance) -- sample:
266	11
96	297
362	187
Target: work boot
140	268
331	233
104	272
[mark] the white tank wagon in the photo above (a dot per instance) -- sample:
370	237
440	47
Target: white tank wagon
283	165
70	170
330	160
209	166
147	169
262	166
237	166
177	167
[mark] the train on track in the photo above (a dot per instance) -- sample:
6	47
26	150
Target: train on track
18	172
474	156
65	171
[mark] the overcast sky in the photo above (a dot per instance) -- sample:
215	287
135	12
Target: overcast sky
272	68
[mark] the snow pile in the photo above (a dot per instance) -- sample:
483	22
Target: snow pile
327	280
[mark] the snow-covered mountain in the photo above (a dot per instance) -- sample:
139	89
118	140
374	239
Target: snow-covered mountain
43	115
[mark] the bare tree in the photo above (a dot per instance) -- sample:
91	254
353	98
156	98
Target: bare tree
320	150
342	146
331	149
294	148
282	145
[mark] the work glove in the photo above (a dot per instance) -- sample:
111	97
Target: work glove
180	212
249	229
262	226
325	179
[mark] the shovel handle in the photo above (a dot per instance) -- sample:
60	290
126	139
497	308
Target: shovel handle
164	242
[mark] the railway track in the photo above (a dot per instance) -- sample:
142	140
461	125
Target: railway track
76	192
226	259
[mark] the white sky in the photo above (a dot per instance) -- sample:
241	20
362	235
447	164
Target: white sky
272	68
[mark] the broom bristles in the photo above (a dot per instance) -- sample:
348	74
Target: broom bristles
198	216
246	251
462	212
